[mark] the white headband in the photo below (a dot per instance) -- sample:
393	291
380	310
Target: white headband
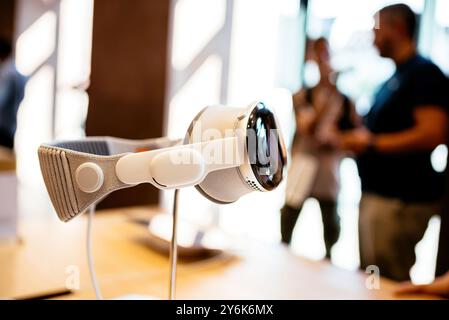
80	173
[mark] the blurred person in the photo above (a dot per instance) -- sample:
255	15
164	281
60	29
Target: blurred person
321	112
12	88
442	263
400	189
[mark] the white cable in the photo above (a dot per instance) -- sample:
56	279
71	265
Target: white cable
90	259
173	249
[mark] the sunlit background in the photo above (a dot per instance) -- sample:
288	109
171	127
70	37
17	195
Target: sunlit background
222	51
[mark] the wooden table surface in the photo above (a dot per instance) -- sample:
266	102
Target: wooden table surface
51	255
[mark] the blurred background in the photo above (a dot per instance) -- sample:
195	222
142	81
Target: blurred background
141	69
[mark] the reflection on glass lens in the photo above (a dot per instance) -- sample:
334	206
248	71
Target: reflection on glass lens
267	156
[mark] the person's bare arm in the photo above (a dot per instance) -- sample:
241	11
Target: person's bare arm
355	117
305	121
304	113
439	287
429	131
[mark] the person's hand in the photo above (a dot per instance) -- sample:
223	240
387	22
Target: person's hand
328	137
439	288
357	140
306	120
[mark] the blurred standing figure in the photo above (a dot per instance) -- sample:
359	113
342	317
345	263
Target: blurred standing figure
321	112
400	189
12	88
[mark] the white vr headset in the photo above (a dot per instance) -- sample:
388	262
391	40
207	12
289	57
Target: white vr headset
227	153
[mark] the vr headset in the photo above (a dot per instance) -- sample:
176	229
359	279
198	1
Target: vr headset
226	153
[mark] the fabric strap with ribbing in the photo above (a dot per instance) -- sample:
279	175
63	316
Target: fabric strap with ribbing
59	162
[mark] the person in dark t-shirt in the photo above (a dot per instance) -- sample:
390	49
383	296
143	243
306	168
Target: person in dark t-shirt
400	189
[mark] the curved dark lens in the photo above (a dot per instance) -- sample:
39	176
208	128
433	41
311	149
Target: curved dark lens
265	147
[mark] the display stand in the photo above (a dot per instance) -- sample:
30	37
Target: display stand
173	258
